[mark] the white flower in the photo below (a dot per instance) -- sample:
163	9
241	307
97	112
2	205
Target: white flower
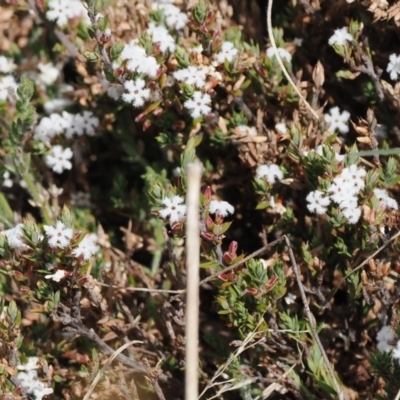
8	88
281	128
7	182
58	236
6	65
191	76
87	247
352	214
58	159
138	61
198	105
89	122
62	11
73	124
174	17
223	208
384	336
355	176
284	54
162	37
290	299
136	95
271	173
174	209
337	120
33	363
15	238
60	274
317	202
32	385
394	66
227	52
385	200
48	73
340	36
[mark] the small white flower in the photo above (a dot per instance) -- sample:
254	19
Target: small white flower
8	88
58	236
284	54
290	299
138	61
87	247
352	214
271	173
223	208
56	105
281	128
48	73
60	274
162	37
317	202
198	105
7	182
59	159
62	11
137	94
394	66
336	120
384	336
32	364
174	17
15	238
174	209
6	65
32	385
227	52
89	122
385	200
340	36
191	76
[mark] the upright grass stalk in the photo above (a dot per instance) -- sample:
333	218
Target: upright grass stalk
192	269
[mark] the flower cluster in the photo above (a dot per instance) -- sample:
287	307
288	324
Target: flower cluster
62	11
271	173
337	120
29	379
66	124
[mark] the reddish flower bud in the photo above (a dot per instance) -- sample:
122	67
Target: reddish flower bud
219	219
207	193
208	236
158	111
105	36
118	72
178	125
209	223
140	117
228	257
19	276
233	247
271	283
146	125
253	291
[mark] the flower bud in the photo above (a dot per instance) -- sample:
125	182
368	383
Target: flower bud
253	291
146	125
208	236
228	257
233	247
105	36
270	284
207	193
209	223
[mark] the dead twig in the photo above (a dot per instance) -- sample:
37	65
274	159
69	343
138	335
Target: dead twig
311	321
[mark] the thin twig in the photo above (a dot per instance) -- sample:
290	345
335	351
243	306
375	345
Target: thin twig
195	171
273	44
311	320
106	365
366	261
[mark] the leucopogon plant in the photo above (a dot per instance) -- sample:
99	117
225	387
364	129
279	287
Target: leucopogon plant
299	249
